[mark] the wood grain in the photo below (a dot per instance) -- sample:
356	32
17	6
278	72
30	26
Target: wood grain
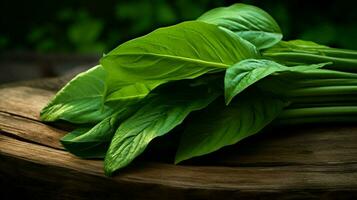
285	163
19	115
24	101
31	130
164	177
291	146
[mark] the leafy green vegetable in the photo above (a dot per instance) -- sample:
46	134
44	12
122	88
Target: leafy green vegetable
249	22
157	117
85	99
247	72
95	147
146	87
93	142
219	125
183	51
81	100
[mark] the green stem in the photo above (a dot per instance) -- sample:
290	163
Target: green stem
318	112
309	120
321	74
322	104
341	64
325	82
324	99
323	91
340	53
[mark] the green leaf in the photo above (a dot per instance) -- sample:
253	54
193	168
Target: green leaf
247	72
132	92
85	98
219	125
81	100
94	142
249	22
95	147
183	51
160	114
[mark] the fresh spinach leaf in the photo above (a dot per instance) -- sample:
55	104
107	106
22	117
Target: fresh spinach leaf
81	100
218	125
249	22
91	148
183	51
94	142
160	114
85	98
247	72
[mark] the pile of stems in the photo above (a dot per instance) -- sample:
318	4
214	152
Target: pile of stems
325	97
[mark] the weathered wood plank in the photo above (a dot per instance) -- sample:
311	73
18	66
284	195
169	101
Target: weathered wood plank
294	162
31	130
303	177
61	183
24	101
19	115
291	146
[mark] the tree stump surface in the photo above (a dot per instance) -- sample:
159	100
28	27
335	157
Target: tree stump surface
307	162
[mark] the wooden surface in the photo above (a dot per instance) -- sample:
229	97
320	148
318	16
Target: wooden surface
311	162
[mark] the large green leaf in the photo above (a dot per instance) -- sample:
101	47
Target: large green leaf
160	114
85	98
183	51
249	22
247	72
94	142
219	125
81	100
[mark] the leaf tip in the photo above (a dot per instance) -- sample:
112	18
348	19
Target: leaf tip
180	156
178	160
45	117
108	171
227	100
328	63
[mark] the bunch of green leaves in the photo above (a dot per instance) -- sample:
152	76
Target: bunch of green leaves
228	71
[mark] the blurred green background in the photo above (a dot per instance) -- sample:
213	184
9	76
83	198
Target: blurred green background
88	26
47	38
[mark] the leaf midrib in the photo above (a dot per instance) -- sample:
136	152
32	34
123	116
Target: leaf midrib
80	99
257	31
215	64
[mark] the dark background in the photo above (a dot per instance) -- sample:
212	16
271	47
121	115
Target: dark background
48	38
